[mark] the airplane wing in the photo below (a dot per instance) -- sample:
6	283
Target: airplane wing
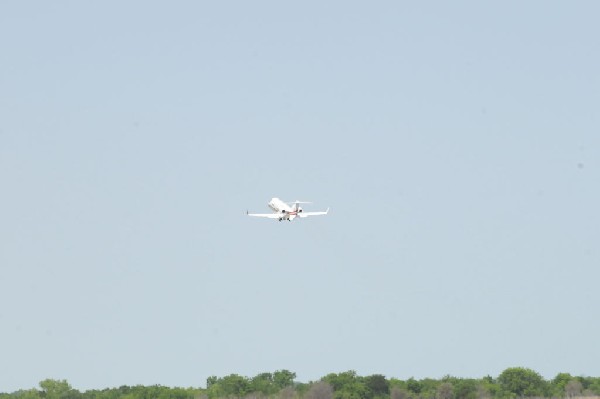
264	215
307	214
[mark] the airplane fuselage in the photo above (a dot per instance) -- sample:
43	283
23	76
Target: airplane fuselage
283	209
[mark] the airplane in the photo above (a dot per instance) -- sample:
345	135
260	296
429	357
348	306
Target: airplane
286	211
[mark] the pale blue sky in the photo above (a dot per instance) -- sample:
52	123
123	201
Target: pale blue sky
457	144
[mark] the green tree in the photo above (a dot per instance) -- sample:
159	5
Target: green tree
377	384
593	385
24	394
212	380
558	384
465	388
58	389
413	385
340	380
488	388
355	390
301	388
231	385
348	385
263	383
283	378
521	382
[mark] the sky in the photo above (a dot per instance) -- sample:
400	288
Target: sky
457	144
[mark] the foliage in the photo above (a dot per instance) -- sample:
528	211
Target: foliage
232	385
378	385
348	385
413	385
283	379
593	387
57	389
522	382
512	383
558	384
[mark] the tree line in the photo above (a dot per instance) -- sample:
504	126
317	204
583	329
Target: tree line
512	383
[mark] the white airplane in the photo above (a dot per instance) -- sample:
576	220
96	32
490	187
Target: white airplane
286	211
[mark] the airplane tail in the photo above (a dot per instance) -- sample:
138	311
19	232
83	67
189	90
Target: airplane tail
296	204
